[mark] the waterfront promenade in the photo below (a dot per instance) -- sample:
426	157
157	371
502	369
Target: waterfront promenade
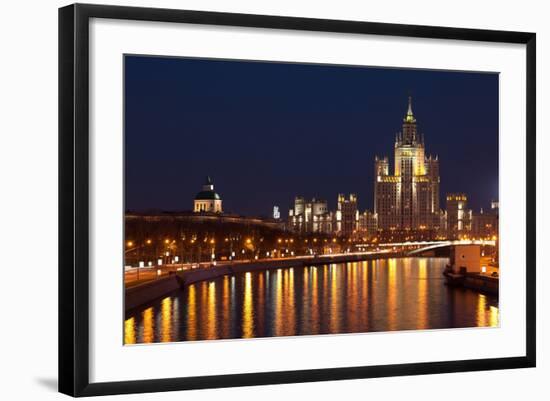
143	285
135	276
157	282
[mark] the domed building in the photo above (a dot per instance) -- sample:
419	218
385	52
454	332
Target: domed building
208	200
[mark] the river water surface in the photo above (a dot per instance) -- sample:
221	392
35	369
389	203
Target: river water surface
374	295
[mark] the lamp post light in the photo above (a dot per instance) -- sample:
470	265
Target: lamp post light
213	253
249	244
140	265
231	248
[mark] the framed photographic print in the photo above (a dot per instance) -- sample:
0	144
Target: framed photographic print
250	199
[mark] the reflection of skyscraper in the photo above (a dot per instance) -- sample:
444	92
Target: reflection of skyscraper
408	199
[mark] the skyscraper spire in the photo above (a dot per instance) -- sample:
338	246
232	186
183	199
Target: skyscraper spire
409	118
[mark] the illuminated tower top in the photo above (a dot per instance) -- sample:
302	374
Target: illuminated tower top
409	117
409	148
408	136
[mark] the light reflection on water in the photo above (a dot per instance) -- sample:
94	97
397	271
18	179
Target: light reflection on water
376	295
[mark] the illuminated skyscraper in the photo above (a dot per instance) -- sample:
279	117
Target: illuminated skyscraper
408	200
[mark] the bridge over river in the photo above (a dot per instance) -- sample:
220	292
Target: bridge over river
420	247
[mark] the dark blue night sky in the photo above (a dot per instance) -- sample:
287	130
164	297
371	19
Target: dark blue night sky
267	132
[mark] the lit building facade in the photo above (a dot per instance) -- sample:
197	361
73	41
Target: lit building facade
310	216
368	224
347	215
314	216
408	199
485	223
459	217
207	200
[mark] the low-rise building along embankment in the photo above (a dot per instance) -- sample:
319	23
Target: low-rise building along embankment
469	270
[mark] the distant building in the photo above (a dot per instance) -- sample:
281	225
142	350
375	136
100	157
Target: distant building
208	200
347	215
276	213
442	232
408	200
459	217
179	219
368	224
310	216
485	223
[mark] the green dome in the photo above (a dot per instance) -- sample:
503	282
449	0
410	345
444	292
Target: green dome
207	195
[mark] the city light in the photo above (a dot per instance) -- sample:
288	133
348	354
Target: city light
392	244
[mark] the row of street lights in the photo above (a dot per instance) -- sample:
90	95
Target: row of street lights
284	249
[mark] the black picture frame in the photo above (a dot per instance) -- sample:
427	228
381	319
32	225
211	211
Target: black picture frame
74	198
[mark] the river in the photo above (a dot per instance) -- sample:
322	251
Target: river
368	296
